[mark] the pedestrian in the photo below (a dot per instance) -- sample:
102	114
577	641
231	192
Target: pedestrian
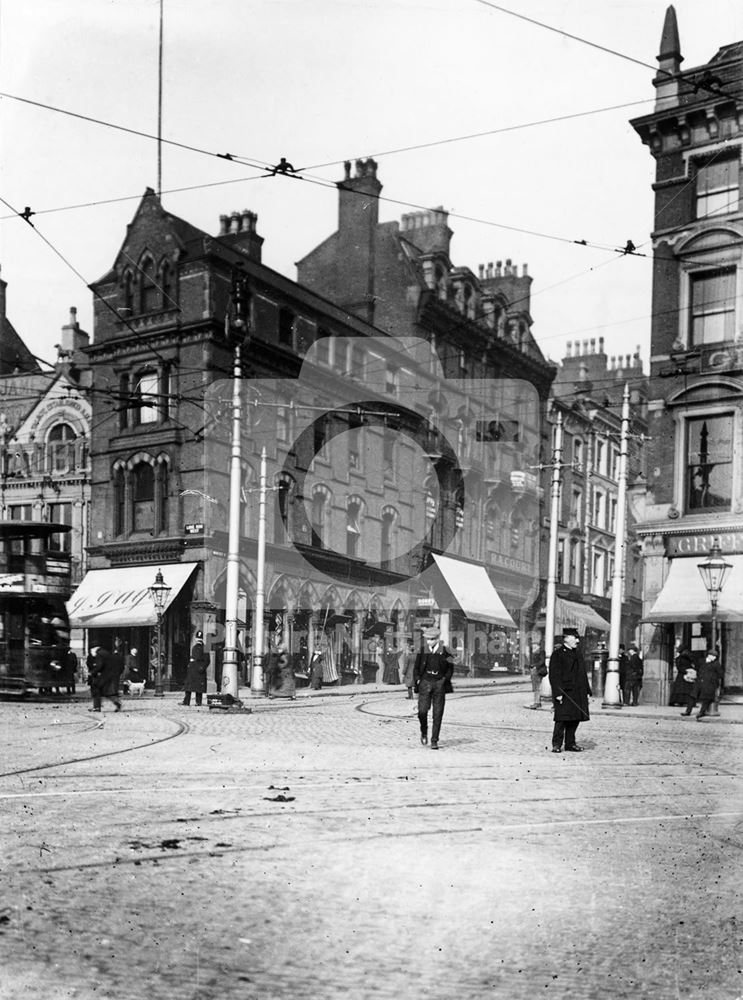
281	682
432	673
570	691
133	673
103	676
391	674
633	682
709	683
316	670
70	670
408	666
622	662
196	671
537	671
684	690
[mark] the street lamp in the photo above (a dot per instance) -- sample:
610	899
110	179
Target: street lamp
159	591
714	571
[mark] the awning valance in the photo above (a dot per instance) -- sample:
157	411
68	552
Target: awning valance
116	598
684	598
473	591
571	614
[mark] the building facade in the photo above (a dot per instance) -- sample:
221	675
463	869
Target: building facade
694	492
45	425
394	490
587	394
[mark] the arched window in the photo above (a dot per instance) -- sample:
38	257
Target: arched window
149	294
320	498
146	392
283	512
353	527
119	482
166	286
163	495
60	448
389	521
128	291
143	497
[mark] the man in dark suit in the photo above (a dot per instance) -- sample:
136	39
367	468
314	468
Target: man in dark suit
432	675
570	691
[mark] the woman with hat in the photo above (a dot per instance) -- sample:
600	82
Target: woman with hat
570	691
432	675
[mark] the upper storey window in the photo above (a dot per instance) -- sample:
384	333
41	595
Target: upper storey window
149	299
709	463
712	306
717	187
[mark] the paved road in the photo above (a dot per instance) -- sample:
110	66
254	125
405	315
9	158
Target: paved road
313	849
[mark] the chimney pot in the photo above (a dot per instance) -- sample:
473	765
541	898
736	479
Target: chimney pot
481	270
568	348
524	270
601	345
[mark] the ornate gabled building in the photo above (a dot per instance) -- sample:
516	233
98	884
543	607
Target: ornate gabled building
44	459
694	491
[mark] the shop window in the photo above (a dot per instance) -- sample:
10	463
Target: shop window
717	187
709	463
712	309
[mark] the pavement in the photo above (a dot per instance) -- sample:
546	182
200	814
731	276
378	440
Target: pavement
313	849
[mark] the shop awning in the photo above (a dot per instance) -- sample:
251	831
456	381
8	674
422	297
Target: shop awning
571	614
115	598
684	598
474	592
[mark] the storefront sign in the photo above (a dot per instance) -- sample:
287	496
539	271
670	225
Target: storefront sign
699	545
507	562
193	529
424	602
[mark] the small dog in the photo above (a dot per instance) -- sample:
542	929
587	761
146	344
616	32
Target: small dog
134	688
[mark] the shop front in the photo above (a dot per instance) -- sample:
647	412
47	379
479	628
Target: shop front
682	617
115	608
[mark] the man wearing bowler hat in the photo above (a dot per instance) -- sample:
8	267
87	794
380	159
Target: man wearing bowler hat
570	691
432	675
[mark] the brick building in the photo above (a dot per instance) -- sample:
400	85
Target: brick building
587	392
400	276
695	472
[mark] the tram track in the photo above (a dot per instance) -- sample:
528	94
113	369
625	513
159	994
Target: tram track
181	729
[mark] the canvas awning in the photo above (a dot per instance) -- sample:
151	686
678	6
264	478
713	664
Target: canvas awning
684	598
473	591
115	598
571	614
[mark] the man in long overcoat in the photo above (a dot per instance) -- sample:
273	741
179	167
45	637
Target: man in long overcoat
103	675
196	671
570	692
709	683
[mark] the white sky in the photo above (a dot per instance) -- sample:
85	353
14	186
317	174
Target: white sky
321	81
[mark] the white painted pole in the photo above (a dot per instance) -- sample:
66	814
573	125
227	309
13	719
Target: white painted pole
545	690
257	680
611	687
230	680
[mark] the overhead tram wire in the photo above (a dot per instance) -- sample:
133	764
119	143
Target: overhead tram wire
679	77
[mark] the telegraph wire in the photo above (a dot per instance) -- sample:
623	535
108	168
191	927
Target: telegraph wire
603	48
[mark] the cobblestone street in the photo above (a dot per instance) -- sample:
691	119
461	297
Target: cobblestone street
314	849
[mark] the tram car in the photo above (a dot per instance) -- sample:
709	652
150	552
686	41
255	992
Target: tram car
35	581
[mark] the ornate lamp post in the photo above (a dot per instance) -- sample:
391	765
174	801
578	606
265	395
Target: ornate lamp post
159	592
714	571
